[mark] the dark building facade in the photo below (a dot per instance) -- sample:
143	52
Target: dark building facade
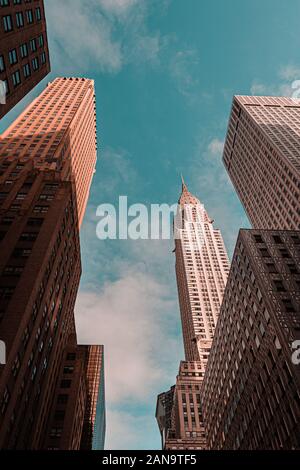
40	272
94	424
163	413
251	389
65	420
24	55
47	161
77	417
179	411
261	156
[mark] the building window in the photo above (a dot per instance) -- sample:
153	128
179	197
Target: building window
29	16
43	58
41	40
68	370
26	70
35	63
24	50
7	23
4	3
65	384
288	305
13	58
2	64
19	19
16	78
38	14
279	286
71	357
33	45
56	433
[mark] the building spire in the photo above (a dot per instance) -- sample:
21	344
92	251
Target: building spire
184	186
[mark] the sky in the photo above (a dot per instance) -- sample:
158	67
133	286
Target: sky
165	72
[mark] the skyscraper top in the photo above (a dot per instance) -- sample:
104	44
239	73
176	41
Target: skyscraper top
186	197
57	132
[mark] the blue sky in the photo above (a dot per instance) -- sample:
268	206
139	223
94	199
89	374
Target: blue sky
165	73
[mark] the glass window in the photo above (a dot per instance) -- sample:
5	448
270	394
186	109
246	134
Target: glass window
7	23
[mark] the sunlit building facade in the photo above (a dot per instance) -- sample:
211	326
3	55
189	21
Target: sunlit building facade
24	54
251	389
57	131
262	159
47	162
202	267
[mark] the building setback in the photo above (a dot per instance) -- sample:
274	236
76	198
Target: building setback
77	417
24	55
251	389
47	161
262	158
94	425
202	268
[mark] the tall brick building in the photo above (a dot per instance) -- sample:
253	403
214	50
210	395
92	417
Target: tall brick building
262	158
251	389
24	55
202	268
47	161
77	417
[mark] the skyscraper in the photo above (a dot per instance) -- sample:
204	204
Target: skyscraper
93	434
77	417
57	131
262	158
24	55
251	389
47	161
202	267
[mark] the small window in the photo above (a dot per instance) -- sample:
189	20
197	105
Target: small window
2	64
65	384
19	19
258	239
29	16
16	78
7	23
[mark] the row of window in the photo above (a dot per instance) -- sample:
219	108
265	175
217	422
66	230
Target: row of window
8	21
25	50
6	3
34	65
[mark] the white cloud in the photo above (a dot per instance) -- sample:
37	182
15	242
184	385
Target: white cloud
117	7
133	318
103	34
80	36
183	68
130	432
290	72
286	75
260	89
216	147
120	174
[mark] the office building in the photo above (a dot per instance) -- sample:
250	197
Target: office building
24	54
251	388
